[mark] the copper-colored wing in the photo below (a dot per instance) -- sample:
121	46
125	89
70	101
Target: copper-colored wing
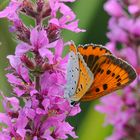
110	74
79	76
85	80
91	53
73	48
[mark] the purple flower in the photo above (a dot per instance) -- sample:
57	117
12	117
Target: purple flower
18	66
133	9
124	54
63	129
16	121
20	80
67	22
54	84
68	19
38	39
116	34
37	74
133	29
39	43
10	11
59	4
114	8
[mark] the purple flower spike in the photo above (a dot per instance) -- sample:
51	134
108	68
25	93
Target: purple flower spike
37	73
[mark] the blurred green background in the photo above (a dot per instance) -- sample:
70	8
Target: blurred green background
89	123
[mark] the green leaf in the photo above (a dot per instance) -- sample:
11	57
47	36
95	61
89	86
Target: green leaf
3	4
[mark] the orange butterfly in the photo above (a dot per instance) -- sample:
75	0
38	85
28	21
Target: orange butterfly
93	72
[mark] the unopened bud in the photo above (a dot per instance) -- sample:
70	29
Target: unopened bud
46	10
40	4
28	8
53	32
46	66
27	62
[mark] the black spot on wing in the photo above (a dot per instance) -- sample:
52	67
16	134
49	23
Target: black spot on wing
105	86
108	72
101	49
117	77
113	74
97	89
119	80
118	84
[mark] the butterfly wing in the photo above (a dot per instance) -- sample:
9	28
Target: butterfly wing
91	53
110	74
85	80
79	76
73	47
72	75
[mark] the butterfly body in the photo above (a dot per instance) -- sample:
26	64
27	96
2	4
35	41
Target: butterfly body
98	73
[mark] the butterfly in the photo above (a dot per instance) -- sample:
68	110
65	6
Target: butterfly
93	72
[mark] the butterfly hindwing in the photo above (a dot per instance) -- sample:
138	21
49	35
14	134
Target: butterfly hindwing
111	74
85	80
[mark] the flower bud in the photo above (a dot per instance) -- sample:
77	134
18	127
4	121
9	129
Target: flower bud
28	63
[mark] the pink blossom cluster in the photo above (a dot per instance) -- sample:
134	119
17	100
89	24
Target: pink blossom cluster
37	73
123	111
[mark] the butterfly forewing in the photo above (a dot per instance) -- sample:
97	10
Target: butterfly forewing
85	80
111	74
72	74
91	53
